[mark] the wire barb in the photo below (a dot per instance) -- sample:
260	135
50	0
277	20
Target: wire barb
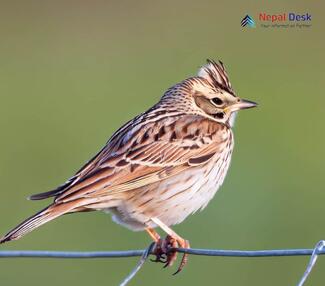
139	265
317	250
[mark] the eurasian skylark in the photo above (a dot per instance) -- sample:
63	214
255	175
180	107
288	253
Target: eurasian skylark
159	167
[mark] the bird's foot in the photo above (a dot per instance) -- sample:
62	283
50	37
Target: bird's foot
165	253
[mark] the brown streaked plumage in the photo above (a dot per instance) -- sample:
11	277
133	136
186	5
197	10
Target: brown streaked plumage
159	167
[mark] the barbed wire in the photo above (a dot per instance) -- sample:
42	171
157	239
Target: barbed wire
319	249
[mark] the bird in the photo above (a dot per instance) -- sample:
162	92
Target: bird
158	168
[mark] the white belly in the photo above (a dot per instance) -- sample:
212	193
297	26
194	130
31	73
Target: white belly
170	200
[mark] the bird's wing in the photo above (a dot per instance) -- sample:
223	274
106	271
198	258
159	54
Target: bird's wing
145	155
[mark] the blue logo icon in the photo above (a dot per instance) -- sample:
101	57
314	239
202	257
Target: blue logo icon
248	21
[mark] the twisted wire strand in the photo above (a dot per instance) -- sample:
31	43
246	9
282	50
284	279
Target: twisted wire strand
318	249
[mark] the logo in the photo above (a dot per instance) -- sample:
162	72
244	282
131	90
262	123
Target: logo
248	21
278	20
283	17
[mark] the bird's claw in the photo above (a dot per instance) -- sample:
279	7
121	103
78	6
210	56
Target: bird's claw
162	258
165	253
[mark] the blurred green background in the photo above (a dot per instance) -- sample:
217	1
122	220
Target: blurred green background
71	72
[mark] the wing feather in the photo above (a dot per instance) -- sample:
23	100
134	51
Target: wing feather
169	147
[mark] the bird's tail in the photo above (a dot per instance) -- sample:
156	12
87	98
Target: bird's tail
49	213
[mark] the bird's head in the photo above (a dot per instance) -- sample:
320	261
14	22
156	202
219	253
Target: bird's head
211	94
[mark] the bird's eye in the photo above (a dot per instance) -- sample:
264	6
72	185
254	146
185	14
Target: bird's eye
217	101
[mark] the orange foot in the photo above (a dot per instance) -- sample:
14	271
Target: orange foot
163	249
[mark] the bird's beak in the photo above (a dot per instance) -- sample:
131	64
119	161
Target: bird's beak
242	104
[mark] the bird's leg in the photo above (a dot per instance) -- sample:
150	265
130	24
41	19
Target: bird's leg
153	234
160	249
173	240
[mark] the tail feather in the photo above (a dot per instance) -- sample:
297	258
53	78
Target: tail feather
49	213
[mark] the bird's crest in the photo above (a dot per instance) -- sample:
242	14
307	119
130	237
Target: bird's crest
215	73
